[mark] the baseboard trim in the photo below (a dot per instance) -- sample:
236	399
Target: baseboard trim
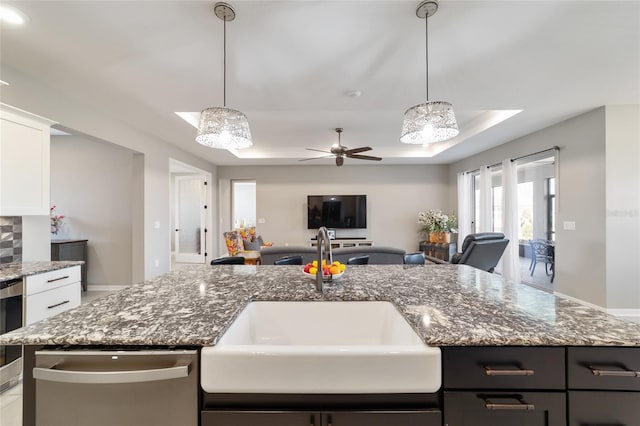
105	287
580	301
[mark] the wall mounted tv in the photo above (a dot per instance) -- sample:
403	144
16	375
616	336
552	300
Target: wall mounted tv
337	211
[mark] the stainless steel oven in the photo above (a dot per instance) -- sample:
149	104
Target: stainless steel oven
144	387
10	319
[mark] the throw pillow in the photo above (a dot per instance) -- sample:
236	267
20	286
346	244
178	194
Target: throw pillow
251	246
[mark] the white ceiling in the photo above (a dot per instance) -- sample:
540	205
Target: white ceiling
290	64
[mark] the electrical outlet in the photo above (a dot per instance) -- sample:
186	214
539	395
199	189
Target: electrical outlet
262	220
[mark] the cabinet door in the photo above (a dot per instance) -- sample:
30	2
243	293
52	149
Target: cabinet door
504	409
590	408
24	163
262	418
382	418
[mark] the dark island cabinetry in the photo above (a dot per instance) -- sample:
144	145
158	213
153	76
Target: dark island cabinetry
331	418
504	386
321	410
604	386
541	386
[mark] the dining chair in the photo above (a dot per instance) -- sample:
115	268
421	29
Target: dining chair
358	260
289	260
416	258
541	253
228	260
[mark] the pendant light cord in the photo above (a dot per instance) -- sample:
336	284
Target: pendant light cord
426	30
224	60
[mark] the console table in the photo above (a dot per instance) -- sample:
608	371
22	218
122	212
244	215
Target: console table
345	242
71	250
442	251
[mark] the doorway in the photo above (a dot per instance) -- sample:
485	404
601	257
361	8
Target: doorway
190	199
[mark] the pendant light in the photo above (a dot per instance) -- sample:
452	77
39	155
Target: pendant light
222	127
432	121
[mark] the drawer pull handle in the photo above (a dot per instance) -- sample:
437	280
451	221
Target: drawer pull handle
615	373
57	304
520	405
58	279
329	421
489	371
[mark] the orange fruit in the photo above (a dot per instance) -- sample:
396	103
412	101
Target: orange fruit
334	270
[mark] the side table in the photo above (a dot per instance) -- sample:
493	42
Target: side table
71	250
442	251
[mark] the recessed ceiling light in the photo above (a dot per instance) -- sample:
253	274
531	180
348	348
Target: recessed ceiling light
11	15
353	93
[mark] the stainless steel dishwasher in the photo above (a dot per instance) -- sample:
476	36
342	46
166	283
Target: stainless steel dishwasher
116	387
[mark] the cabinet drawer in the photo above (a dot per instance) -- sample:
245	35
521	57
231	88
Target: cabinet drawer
382	418
504	409
48	303
503	368
604	368
52	279
262	418
590	408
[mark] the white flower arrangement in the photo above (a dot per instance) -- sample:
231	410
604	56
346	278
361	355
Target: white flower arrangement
436	221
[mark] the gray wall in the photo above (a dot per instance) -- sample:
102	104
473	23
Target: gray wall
91	186
623	206
580	254
395	195
152	254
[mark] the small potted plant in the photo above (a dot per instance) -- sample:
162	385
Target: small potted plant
56	220
437	225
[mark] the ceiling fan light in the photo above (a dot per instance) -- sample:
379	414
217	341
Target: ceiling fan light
430	122
223	128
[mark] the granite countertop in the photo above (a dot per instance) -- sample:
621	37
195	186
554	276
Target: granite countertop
11	271
447	305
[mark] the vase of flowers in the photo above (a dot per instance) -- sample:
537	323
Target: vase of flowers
56	220
437	226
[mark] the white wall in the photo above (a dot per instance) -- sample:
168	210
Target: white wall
91	186
580	254
623	206
395	195
152	255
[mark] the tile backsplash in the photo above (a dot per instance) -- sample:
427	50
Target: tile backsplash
10	239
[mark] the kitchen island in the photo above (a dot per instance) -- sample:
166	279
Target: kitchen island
449	306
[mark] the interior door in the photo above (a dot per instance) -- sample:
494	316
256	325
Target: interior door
190	219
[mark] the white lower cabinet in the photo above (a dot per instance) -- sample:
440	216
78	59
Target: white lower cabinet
51	293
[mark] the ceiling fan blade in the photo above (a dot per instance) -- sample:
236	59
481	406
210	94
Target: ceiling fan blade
364	157
356	150
317	158
318	150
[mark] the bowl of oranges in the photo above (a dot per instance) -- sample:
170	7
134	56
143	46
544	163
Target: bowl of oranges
331	271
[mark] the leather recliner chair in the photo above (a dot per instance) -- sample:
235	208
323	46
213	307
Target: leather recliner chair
482	250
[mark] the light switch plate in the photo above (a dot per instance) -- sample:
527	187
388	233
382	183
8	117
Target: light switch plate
569	225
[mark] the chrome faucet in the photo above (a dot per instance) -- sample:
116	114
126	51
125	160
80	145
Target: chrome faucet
324	252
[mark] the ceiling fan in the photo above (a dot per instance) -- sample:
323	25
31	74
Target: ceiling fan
340	151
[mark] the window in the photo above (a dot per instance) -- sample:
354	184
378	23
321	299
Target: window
243	210
525	210
551	209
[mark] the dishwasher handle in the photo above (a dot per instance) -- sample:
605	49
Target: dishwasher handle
178	371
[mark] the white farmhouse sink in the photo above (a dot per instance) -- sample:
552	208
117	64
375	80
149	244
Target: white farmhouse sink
320	347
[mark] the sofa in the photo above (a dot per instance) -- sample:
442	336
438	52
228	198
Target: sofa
378	255
268	255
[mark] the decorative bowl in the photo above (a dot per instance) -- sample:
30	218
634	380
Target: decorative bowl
334	277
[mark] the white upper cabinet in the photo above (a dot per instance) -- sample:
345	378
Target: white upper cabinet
24	162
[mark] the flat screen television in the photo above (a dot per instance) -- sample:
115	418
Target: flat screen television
337	211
